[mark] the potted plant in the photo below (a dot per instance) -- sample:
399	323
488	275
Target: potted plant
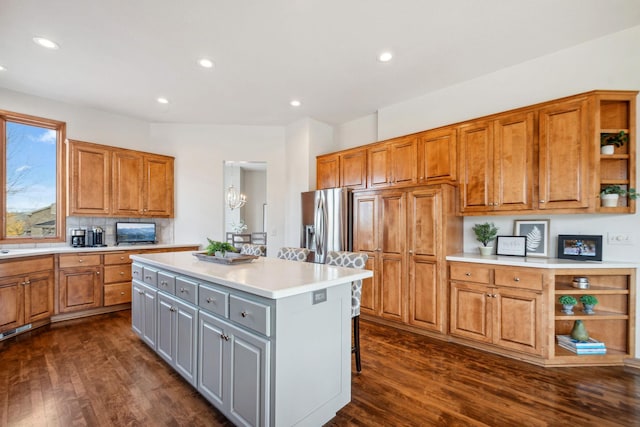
219	249
588	301
610	195
609	141
485	233
567	302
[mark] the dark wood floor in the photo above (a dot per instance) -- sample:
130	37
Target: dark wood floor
96	372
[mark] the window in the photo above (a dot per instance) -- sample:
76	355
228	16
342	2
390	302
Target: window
33	177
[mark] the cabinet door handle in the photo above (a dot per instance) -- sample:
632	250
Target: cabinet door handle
97	273
122	273
80	260
141	292
244	314
182	290
172	309
542	201
516	279
121	258
210	300
136	273
467	274
410	252
121	293
224	337
28	282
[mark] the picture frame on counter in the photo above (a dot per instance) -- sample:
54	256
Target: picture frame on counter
511	245
580	247
537	233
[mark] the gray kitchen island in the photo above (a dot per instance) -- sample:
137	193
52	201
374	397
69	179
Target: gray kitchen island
267	342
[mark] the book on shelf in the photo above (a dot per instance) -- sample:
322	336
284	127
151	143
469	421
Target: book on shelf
583	351
592	343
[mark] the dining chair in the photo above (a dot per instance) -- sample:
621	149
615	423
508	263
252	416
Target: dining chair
293	254
251	249
352	260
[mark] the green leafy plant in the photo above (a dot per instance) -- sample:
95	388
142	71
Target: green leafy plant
617	139
616	189
567	300
485	233
588	299
215	246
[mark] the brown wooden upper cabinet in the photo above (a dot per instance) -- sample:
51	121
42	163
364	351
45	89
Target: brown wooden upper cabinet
566	168
344	169
110	181
393	163
437	156
496	164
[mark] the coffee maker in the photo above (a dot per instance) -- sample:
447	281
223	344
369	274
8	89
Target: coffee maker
95	237
78	237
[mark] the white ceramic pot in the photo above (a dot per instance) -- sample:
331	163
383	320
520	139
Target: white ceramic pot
607	149
609	200
485	250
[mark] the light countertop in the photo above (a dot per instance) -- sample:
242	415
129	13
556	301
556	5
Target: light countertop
267	277
19	253
536	262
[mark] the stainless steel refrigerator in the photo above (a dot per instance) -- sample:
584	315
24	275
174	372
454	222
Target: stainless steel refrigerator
326	222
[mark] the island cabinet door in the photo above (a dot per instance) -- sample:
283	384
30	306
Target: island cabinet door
186	328
166	328
144	312
211	339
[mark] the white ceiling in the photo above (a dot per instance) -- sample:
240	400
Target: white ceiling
120	55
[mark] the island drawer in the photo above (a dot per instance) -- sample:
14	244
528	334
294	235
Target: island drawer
166	282
518	278
470	273
150	276
213	300
117	258
251	314
187	289
117	273
118	293
136	271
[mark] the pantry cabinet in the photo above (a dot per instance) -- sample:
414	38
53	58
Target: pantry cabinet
407	235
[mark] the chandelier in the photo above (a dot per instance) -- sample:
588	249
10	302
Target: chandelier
235	200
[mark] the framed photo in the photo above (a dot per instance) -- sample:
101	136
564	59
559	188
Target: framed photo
511	245
580	247
537	232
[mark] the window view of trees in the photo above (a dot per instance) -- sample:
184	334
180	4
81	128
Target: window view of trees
32	158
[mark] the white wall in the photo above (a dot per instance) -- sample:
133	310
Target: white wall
361	131
200	151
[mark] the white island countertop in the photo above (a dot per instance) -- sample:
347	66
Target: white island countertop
267	277
537	262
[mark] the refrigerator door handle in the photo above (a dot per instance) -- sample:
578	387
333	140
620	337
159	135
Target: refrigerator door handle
321	220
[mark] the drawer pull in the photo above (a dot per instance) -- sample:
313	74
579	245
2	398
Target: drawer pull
210	300
163	283
147	277
121	293
516	279
467	274
122	273
136	272
97	273
172	309
80	260
121	258
183	290
244	314
141	292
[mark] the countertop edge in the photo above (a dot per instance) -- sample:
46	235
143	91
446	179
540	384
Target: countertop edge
535	262
21	253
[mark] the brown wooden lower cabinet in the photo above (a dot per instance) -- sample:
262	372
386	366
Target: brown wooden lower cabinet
514	311
80	288
26	291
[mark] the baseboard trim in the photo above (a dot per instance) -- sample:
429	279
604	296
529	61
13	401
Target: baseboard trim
86	313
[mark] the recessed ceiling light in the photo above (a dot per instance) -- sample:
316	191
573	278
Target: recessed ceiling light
46	43
205	63
295	103
163	100
385	57
2	68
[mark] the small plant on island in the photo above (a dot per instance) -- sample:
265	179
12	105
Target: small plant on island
222	247
485	233
567	300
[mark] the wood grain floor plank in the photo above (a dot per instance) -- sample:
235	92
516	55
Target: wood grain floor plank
96	372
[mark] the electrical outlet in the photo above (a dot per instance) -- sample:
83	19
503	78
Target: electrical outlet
620	239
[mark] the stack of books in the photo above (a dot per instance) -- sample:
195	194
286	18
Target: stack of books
590	347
